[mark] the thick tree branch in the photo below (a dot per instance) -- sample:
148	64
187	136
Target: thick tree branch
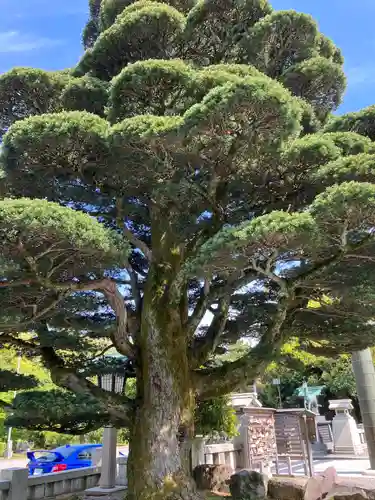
17	342
108	287
231	284
137	243
134	286
200	309
203	347
118	406
228	377
325	264
316	349
269	273
36	316
120	336
10	284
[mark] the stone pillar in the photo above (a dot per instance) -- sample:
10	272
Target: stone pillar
346	437
18	482
96	458
197	452
364	372
9	450
122	476
108	475
107	488
242	440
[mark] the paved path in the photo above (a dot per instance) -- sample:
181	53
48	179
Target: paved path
345	467
351	467
16	462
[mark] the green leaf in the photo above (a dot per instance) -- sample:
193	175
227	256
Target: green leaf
350	143
33	227
85	94
280	40
154	87
234	247
318	80
58	411
28	91
64	145
359	167
349	206
362	122
214	28
128	39
12	381
258	113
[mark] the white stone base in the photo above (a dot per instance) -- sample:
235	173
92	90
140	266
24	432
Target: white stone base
97	493
350	450
368	472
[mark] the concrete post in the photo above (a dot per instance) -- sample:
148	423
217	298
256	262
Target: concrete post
18	482
107	489
242	440
364	372
197	452
108	475
122	476
96	458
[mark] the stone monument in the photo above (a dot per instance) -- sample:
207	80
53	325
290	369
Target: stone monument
346	436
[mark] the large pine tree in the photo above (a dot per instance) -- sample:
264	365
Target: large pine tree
181	173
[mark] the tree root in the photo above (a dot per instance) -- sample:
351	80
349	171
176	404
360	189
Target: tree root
176	487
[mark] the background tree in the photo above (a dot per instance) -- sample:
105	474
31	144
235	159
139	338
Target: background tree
294	366
179	174
11	381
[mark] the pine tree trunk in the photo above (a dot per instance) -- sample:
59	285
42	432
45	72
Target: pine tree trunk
156	465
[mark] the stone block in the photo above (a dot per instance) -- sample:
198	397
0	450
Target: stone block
117	493
327	485
248	485
18	478
320	485
287	488
212	477
350	488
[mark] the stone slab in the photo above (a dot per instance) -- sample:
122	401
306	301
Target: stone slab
347	488
116	493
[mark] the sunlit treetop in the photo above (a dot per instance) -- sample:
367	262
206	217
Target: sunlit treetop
362	122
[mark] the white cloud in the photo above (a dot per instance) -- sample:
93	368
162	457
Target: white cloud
14	41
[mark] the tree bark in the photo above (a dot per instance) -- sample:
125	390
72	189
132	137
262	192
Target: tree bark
156	468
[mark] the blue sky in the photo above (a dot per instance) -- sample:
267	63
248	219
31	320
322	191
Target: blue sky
47	34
